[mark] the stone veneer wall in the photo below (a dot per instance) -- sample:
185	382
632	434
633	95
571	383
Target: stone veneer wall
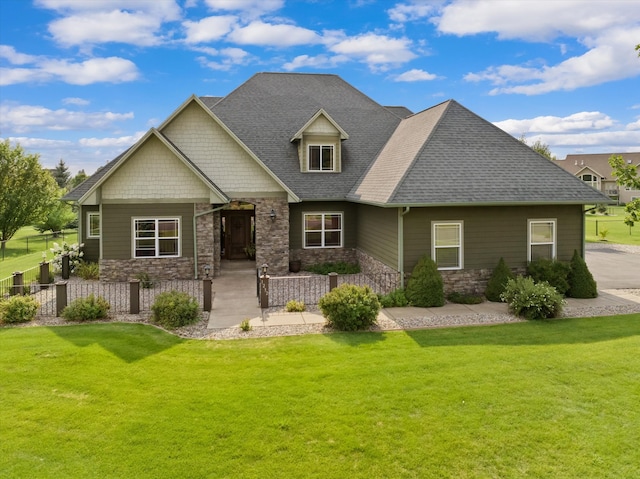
308	257
206	245
472	281
158	268
370	265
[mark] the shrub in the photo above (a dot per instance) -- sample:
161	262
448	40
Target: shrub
581	282
18	309
461	298
349	307
553	272
395	299
294	306
245	325
425	288
87	309
340	268
145	280
173	309
532	300
498	281
88	270
74	252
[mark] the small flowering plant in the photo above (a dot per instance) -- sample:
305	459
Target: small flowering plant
74	251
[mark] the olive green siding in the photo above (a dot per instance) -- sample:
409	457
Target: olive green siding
117	226
91	246
493	232
349	218
378	233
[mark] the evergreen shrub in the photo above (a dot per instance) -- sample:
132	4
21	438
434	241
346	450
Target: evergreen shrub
581	282
555	273
498	281
425	287
395	299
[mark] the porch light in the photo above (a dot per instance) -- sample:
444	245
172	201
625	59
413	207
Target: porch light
207	269
273	214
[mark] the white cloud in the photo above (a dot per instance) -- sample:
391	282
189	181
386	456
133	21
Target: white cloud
12	56
121	142
584	120
415	75
634	125
378	51
209	28
230	57
319	61
406	12
26	118
279	35
75	101
254	7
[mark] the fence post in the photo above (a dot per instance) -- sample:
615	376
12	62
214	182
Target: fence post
18	283
61	296
44	275
206	294
66	269
264	288
134	296
333	281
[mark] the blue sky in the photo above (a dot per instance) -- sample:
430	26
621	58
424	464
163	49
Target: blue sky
82	80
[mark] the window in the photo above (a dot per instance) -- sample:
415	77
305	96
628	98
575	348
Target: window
321	158
93	224
447	244
592	180
323	230
542	239
156	237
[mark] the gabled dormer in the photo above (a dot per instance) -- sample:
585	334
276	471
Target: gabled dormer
320	144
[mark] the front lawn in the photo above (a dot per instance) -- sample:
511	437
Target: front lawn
538	399
613	224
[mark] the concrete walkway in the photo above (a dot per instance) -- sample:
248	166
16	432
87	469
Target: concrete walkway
234	295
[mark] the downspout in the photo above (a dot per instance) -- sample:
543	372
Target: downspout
401	242
195	237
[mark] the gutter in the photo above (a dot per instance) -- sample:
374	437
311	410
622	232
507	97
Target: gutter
401	215
195	237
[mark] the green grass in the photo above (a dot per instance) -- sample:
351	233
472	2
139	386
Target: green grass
537	400
18	258
618	232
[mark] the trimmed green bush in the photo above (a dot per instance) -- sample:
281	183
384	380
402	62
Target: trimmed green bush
498	281
87	309
88	270
532	300
425	287
581	282
349	307
553	272
294	306
174	309
18	309
461	298
395	299
340	268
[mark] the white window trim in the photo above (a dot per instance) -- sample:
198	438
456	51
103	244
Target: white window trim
460	247
332	145
553	243
156	237
89	215
323	213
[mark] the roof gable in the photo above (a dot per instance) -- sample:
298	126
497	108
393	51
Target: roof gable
316	125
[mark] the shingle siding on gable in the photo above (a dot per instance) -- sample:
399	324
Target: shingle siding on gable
217	154
154	173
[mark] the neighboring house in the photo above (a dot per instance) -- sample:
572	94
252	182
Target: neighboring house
308	168
594	169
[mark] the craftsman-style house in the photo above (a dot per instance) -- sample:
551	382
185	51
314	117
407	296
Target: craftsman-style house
306	167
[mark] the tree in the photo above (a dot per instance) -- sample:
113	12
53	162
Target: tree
638	49
79	178
59	216
627	175
539	147
61	174
27	191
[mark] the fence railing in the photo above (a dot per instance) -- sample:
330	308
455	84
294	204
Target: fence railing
35	243
277	291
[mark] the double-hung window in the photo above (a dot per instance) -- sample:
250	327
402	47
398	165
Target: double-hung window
321	158
542	239
93	224
156	237
446	245
323	230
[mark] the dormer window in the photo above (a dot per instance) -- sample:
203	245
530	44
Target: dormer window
321	158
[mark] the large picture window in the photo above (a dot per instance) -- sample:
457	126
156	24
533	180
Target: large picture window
542	239
156	237
93	224
447	244
321	158
323	230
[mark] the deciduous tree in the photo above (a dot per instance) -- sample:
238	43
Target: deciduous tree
539	147
627	175
59	216
79	178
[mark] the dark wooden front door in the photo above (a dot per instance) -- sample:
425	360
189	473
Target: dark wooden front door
237	233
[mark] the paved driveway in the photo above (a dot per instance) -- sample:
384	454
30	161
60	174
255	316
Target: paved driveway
614	266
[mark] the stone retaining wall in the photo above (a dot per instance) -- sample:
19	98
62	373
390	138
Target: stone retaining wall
113	270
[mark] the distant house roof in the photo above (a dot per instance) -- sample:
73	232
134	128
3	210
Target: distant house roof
445	155
596	162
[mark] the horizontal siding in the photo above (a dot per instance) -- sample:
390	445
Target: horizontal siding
378	233
493	232
91	246
350	220
116	226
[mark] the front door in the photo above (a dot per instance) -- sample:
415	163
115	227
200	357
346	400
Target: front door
237	233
